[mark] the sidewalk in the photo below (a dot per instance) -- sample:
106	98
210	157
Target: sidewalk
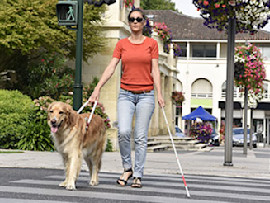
210	162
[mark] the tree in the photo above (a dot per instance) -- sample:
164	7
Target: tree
30	26
158	5
29	30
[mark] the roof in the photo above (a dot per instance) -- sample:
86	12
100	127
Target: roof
185	27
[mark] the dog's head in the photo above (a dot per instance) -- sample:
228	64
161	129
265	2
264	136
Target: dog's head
59	113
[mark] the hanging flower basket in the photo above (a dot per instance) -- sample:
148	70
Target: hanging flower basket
249	69
165	34
178	98
250	15
128	3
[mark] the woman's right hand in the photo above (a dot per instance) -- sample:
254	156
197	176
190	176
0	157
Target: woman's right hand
95	96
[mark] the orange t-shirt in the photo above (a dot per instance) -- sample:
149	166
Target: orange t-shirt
136	63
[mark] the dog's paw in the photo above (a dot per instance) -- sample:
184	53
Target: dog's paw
70	187
93	183
63	184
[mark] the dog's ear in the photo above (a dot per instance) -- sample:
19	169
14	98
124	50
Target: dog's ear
48	110
71	115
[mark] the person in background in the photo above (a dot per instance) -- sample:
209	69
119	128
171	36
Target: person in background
140	72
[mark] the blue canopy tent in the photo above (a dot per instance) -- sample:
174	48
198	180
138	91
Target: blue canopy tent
201	113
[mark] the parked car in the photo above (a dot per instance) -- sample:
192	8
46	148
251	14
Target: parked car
179	132
238	137
215	139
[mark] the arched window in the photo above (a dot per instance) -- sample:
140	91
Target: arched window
201	88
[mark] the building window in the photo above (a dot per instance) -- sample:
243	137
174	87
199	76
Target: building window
201	88
204	50
265	50
183	47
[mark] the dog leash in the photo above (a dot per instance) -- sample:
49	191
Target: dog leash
91	115
178	162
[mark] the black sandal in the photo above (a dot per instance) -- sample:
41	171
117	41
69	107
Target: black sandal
137	183
123	175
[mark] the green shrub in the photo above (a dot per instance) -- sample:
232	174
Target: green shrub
37	136
109	146
14	114
22	124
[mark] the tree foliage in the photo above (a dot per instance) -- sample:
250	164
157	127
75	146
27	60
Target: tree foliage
158	5
28	27
29	30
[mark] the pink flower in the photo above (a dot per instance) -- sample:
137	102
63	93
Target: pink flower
206	3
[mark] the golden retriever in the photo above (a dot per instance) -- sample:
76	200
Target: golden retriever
71	140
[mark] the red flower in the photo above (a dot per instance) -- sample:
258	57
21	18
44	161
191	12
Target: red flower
206	3
42	60
217	5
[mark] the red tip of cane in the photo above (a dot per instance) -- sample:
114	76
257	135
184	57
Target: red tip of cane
184	180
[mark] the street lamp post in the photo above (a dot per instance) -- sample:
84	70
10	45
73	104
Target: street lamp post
78	87
253	105
245	119
229	93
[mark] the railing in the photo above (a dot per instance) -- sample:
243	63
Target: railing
201	95
240	94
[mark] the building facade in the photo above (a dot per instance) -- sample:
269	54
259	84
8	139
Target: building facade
202	70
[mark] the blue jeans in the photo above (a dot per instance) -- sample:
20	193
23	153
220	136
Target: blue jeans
143	106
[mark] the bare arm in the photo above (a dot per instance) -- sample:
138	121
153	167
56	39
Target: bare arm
107	74
156	77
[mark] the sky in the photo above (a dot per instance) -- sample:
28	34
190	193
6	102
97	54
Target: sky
188	8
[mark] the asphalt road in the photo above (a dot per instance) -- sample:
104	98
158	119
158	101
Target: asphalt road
30	185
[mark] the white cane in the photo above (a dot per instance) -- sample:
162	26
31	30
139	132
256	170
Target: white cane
178	162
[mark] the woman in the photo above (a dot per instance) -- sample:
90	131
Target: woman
139	55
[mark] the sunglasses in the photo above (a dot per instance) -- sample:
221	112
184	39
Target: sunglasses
138	19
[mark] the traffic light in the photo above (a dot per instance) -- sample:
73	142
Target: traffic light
67	13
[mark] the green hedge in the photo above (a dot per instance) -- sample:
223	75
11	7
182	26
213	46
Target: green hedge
22	124
14	114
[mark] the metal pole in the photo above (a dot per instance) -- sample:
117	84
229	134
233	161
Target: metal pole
251	130
77	91
245	119
229	93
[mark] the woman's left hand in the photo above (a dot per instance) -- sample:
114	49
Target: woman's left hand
161	101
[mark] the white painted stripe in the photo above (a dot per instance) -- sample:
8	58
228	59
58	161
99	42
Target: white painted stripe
174	177
99	195
10	200
177	181
179	191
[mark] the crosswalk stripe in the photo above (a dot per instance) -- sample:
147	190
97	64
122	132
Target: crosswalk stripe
165	190
196	189
10	200
177	181
91	194
157	188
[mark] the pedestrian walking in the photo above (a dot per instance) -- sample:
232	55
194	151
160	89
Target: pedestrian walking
140	73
